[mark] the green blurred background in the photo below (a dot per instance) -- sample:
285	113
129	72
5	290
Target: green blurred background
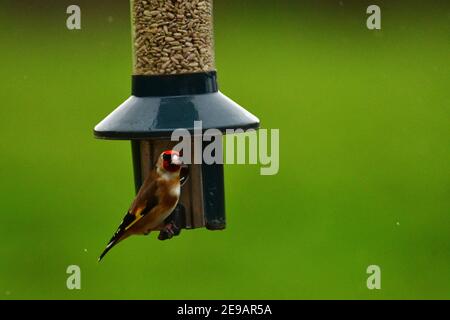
364	177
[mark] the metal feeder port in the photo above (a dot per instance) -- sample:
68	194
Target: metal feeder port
174	83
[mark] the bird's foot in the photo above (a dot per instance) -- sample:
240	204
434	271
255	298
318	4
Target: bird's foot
173	224
169	231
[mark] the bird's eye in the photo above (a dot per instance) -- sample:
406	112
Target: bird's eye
167	157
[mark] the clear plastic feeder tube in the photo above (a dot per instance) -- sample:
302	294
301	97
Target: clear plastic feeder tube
172	36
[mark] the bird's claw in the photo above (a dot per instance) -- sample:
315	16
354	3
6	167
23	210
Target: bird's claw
173	224
170	230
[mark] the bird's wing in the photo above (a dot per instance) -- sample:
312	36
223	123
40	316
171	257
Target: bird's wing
145	201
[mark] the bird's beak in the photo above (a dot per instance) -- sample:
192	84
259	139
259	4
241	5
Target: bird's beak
176	160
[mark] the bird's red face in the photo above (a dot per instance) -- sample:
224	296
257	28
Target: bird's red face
171	161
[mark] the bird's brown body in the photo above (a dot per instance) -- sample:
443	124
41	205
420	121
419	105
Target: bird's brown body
164	192
154	202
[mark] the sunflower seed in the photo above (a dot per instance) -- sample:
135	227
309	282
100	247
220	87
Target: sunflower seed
172	37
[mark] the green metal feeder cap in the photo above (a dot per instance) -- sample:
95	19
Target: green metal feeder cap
163	103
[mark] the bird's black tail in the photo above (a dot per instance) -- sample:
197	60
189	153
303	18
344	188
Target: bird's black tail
117	237
120	234
110	245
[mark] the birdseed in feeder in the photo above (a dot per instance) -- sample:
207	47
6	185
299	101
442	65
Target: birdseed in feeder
172	36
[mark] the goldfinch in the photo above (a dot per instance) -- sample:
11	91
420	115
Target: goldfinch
154	202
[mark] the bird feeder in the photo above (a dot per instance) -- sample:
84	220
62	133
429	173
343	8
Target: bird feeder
174	83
